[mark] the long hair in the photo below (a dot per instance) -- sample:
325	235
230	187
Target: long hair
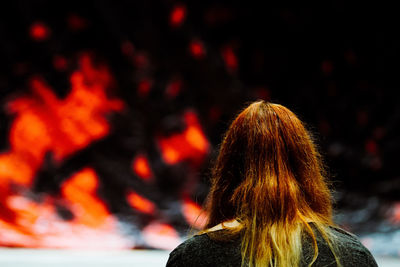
270	178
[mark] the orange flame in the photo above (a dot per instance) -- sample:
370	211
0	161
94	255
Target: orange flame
141	167
191	144
44	123
80	191
140	203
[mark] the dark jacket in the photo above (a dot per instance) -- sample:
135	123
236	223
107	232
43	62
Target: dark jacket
201	250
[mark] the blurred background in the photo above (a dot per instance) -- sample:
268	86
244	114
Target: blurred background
111	113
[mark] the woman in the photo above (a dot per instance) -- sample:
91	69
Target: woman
269	203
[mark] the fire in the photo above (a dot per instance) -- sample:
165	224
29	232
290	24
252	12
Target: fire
230	59
191	144
16	168
141	167
80	192
45	123
39	31
197	49
140	203
96	78
195	138
178	15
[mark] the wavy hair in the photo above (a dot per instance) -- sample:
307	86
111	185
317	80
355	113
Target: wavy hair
269	176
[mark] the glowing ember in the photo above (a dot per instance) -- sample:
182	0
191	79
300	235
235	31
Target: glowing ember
144	87
140	203
196	139
197	49
39	31
230	59
191	144
178	15
141	167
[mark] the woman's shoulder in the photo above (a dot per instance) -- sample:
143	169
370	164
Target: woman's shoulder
193	243
351	249
340	237
201	250
347	239
347	248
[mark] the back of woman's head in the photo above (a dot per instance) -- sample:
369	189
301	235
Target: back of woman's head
269	177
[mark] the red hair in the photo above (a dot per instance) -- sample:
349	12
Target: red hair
270	178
